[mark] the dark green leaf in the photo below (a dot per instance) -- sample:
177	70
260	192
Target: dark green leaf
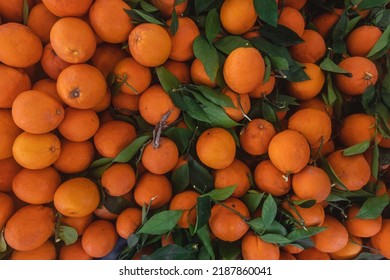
97	172
357	149
201	6
258	226
161	222
142	16
26	11
268	112
148	7
181	137
229	43
100	162
208	55
268	68
267	11
131	150
178	2
305	243
296	73
382	18
195	110
132	240
212	25
307	203
167	80
229	250
252	200
203	254
330	97
269	211
375	161
180	178
204	236
174	23
339	32
275	238
369	4
199	176
369	256
116	204
300	233
215	97
67	234
281	35
221	194
382	44
332	175
328	65
367	97
203	212
373	207
3	244
170	252
280	63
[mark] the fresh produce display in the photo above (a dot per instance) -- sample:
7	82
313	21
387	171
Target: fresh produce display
194	129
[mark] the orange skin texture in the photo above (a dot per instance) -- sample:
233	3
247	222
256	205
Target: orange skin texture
367	33
66	8
106	57
238	16
48	86
311	50
138	77
292	19
362	227
244	69
166	7
254	248
364	73
8	133
350	251
312	254
12	10
128	222
316	103
354	171
185	201
8	170
237	99
296	4
12	82
326	21
283	255
7	208
226	224
79	224
47	251
216	148
380	240
125	103
119	179
74	251
180	70
51	63
199	75
77	197
264	88
312	217
41	20
29	227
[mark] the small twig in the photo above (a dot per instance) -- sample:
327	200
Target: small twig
159	129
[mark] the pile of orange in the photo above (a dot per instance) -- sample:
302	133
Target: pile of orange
210	127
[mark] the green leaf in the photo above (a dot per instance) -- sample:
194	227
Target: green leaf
382	18
369	256
142	16
352	23
203	212
221	194
199	176
357	149
280	35
3	244
268	112
100	162
328	65
215	97
174	23
375	161
332	175
268	69
373	207
382	44
275	238
267	11
369	4
132	240
167	80
229	250
367	97
97	172
229	43
180	178
204	236
280	63
201	6
269	211
213	25
306	203
181	137
170	252
194	109
131	150
296	73
67	234
148	7
116	204
252	200
26	12
161	222
330	97
208	55
258	226
339	32
300	233
203	254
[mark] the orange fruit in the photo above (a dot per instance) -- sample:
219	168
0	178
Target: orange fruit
8	170
118	179
380	240
368	34
105	214
8	133
312	254
77	197
12	10
78	223
125	103
109	20
309	217
36	151
216	148
19	45
283	255
107	56
244	69
166	7
73	251
364	73
311	50
254	248
143	41
199	75
104	103
81	86
112	137
135	77
66	8
152	189
47	251
99	238
256	136
334	238
350	251
311	183
29	227
180	70
292	19
296	4
36	186
353	171
161	158
154	103
309	88
289	151
185	201
166	240
44	112
6	208
13	81
237	173
225	223
361	227
48	86
41	20
51	63
237	16
292	249
263	88
325	22
316	103
241	103
128	221
269	179
183	39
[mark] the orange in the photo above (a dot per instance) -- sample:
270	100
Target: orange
6	208
78	223
104	103
8	133
99	238
292	249
313	124
44	112
19	45
152	189
325	22
73	40
36	151
105	214
254	248
361	227
47	251
8	170
309	217
29	227
311	50
368	34
41	20
350	251
112	137
269	179
309	88
380	240
334	238
289	151
161	157
124	103
48	86
241	103
216	148
79	124
180	70
185	201
166	240
118	179
292	19
135	78
77	197
237	173
237	16
166	7
13	81
51	63
353	171
36	186
224	221
312	254
263	89
199	75
128	221
74	251
316	103
286	256
143	41
244	69
107	56
81	86
256	136
109	20
183	39
364	73
12	10
296	4
154	103
65	8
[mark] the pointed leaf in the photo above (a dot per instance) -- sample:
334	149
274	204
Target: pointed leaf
339	32
116	204
229	250
229	43
208	55
373	207
170	252
100	162
267	11
258	226
281	35
142	16
356	149
332	175
269	211
26	11
180	178
168	81
132	240
221	194
203	212
375	161
161	222
300	233
369	256
369	4
181	137
252	200
382	44
3	244
199	176
275	238
212	25
204	236
216	97
174	23
328	65
67	234
148	7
